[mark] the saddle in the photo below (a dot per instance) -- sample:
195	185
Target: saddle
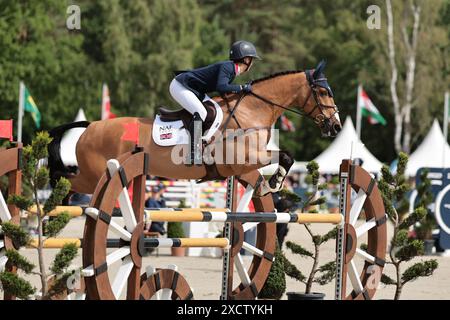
167	115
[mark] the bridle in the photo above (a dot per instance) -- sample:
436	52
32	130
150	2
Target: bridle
321	116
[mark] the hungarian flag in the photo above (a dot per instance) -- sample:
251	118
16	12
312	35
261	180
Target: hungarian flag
106	104
286	124
30	106
6	129
368	109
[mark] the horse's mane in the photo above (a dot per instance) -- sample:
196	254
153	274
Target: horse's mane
274	75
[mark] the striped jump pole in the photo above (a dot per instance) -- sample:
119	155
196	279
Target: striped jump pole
58	243
264	217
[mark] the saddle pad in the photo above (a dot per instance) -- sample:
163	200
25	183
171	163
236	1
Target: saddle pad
171	133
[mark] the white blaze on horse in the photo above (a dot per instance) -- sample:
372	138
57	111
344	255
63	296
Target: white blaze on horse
80	150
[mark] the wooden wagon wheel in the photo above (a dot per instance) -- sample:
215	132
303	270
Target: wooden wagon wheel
10	165
253	277
164	284
96	262
367	206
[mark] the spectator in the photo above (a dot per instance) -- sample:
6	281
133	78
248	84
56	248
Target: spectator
154	199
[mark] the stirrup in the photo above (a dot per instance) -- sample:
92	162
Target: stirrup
195	132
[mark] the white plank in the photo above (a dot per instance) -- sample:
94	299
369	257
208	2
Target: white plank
124	199
357	206
243	274
122	275
365	255
115	227
249	225
365	227
254	250
245	199
5	215
114	256
354	278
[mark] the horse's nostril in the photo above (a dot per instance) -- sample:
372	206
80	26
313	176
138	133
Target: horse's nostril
337	128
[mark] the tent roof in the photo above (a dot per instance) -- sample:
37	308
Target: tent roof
434	151
80	116
341	148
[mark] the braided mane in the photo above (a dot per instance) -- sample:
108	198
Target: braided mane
275	75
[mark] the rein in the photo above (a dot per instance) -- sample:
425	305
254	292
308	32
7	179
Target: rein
312	84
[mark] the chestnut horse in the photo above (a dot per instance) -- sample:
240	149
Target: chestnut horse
303	92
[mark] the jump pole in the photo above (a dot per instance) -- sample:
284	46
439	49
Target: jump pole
58	243
210	216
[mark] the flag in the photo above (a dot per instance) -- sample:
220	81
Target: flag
6	129
286	124
368	109
106	104
30	106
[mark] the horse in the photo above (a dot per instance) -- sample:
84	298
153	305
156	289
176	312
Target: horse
302	92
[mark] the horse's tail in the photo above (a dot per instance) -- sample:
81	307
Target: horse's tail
55	164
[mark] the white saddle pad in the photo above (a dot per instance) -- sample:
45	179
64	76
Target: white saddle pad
171	133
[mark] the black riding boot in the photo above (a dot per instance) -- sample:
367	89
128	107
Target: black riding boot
195	132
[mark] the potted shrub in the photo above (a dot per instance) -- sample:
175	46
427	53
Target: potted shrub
275	284
403	248
424	229
318	274
175	230
53	283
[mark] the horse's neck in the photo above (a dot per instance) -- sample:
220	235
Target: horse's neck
255	113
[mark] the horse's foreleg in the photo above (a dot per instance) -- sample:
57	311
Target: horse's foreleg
275	183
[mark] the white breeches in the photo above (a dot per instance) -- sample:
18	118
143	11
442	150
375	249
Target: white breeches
187	99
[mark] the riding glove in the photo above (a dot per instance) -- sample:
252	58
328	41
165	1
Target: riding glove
247	88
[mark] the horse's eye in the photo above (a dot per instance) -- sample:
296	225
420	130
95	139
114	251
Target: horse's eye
323	93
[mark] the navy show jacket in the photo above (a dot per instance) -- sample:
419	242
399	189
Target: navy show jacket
215	77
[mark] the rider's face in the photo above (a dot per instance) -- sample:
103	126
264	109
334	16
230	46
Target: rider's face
249	62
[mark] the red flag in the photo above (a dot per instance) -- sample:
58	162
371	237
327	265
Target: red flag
106	104
131	132
6	129
286	124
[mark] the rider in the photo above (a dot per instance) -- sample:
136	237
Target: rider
189	88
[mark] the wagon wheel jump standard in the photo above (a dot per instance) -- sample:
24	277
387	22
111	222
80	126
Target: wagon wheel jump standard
129	249
10	165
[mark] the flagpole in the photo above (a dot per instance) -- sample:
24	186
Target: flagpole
445	127
358	113
103	115
20	115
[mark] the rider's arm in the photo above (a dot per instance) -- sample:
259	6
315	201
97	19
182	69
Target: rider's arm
224	77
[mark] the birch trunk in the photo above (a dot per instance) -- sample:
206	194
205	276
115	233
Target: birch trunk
394	77
410	60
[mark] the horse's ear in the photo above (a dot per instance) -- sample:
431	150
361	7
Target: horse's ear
319	69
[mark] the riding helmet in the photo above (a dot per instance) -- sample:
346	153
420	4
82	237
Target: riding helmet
241	49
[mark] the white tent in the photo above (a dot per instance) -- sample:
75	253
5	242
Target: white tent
434	151
344	146
80	116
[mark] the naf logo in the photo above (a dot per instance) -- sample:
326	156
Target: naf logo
164	129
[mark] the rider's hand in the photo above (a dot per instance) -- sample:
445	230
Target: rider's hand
247	88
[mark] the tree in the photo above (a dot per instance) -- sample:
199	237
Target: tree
275	284
402	248
38	178
318	274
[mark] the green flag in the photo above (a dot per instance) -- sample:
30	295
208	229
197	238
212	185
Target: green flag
30	106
